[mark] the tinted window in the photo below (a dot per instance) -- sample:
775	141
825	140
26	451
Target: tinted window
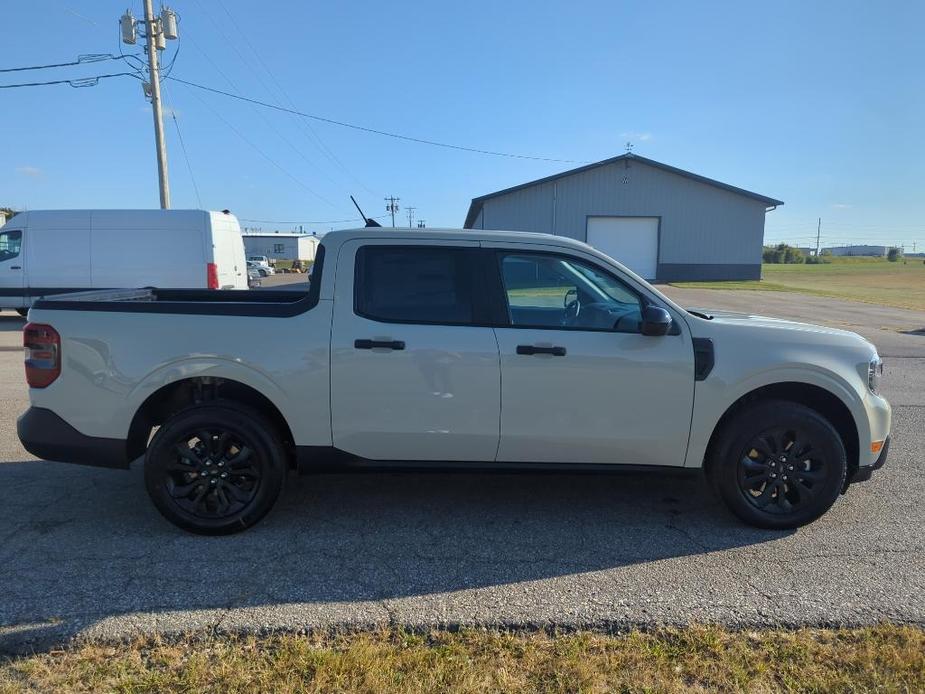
551	291
415	284
10	244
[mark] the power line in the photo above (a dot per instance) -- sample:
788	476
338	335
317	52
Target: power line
76	83
307	126
81	60
385	133
189	167
302	221
265	155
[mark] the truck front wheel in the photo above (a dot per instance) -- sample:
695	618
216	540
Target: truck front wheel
778	464
215	468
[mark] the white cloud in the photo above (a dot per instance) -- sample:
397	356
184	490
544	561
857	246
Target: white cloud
32	171
640	137
842	205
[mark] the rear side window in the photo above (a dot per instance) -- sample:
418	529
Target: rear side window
10	244
416	284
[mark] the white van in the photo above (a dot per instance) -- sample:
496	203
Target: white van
48	252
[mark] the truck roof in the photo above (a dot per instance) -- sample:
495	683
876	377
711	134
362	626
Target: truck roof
342	235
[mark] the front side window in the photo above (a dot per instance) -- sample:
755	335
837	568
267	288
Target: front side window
552	291
415	284
10	244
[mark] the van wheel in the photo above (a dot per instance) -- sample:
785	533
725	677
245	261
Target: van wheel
215	469
22	312
778	464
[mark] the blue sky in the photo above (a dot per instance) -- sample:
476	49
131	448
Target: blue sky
819	104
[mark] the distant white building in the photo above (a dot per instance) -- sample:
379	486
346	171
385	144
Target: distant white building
281	245
876	251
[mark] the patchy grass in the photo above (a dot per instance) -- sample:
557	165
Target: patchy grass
887	658
870	280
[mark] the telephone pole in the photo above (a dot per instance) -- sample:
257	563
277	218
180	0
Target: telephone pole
411	216
157	31
392	207
818	234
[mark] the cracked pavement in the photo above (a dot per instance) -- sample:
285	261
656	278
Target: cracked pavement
83	554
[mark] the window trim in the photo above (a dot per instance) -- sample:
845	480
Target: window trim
500	253
481	301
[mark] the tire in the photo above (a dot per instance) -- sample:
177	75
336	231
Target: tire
778	464
224	489
22	312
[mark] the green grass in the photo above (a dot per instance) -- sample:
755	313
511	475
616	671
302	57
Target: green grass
870	280
886	658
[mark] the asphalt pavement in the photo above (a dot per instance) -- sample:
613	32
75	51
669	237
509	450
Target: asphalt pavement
84	554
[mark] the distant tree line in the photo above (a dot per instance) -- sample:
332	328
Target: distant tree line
782	254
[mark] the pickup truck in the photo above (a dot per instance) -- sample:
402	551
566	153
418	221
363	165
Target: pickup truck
435	349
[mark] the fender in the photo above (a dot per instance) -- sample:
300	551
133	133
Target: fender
713	398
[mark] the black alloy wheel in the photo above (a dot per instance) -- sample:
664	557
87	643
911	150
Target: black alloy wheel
781	469
215	468
778	464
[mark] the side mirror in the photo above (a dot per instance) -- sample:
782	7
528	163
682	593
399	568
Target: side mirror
656	321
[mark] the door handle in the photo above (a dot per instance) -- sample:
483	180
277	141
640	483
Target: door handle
378	344
532	349
15	267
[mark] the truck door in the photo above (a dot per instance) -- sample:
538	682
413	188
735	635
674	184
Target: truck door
12	276
580	383
414	376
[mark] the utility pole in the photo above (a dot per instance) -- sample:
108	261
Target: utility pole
411	216
422	224
818	234
392	207
157	31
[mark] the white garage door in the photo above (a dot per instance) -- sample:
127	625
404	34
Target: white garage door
632	241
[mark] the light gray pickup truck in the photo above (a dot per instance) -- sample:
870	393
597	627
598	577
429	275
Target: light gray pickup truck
435	348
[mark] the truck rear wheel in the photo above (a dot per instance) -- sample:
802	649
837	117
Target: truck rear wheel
778	464
215	469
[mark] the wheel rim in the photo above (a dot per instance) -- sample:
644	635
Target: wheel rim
212	474
781	470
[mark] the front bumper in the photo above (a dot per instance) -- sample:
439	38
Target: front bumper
45	435
866	472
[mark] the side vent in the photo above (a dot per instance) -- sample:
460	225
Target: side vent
703	357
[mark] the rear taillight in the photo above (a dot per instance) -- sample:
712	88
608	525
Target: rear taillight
212	276
43	354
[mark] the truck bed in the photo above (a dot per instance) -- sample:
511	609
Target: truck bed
233	302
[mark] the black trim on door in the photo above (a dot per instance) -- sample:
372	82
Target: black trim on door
533	349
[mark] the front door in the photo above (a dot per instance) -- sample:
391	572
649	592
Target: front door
580	383
12	276
413	374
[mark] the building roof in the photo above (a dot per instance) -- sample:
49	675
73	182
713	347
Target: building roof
279	234
476	206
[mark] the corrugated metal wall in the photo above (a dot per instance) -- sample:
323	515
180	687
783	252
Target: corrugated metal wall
701	225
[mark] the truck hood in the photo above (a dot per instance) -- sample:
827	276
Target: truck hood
747	320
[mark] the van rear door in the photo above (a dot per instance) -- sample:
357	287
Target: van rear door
228	251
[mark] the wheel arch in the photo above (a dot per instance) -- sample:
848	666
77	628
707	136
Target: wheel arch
825	402
177	395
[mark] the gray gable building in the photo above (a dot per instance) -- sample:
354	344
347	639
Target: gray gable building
664	223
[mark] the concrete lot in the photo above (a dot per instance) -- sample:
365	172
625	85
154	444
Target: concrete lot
83	552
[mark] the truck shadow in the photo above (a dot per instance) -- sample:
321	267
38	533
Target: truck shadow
83	545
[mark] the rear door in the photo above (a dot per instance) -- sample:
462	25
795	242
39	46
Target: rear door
12	275
228	253
415	373
580	383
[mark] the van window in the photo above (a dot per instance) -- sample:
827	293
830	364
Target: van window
10	244
416	284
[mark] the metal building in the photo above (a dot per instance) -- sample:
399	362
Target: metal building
664	223
281	245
